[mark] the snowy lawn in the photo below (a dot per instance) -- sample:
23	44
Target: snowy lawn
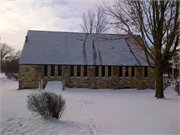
91	112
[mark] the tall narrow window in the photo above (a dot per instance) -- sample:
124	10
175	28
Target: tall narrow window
45	70
126	71
109	71
85	71
120	71
146	71
96	71
78	71
103	71
59	70
71	71
52	70
132	71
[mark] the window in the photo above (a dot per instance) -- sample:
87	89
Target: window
96	71
52	70
109	71
103	71
120	71
78	71
132	71
126	71
85	71
45	70
71	71
145	71
59	70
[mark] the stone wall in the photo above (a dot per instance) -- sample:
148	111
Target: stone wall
30	76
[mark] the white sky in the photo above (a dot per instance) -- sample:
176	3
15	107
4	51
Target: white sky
19	16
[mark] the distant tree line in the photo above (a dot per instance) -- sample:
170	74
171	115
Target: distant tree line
9	59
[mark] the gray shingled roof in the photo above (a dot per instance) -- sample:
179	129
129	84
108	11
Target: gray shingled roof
68	48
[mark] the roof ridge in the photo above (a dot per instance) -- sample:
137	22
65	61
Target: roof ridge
78	32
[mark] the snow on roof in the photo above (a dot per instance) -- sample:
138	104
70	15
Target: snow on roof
69	48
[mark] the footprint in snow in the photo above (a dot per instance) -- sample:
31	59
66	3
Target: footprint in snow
19	123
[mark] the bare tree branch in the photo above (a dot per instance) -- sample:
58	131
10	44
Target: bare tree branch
5	50
157	23
94	22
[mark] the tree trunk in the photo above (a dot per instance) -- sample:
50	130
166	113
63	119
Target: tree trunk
159	81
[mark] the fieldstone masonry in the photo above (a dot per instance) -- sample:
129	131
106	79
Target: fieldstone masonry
31	75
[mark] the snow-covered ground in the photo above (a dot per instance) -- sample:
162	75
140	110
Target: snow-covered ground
91	112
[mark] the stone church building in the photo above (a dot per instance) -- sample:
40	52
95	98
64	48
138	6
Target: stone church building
83	61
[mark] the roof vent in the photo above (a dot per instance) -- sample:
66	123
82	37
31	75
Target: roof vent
80	39
26	40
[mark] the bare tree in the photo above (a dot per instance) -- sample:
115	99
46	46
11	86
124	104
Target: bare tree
157	22
94	22
9	58
5	50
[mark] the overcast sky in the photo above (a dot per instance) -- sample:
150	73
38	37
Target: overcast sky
19	16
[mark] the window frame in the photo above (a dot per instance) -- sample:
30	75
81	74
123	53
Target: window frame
85	71
96	71
109	71
126	72
45	72
60	71
103	71
71	70
52	70
78	71
146	71
120	71
132	71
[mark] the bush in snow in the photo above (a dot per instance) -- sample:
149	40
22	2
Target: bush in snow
46	104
